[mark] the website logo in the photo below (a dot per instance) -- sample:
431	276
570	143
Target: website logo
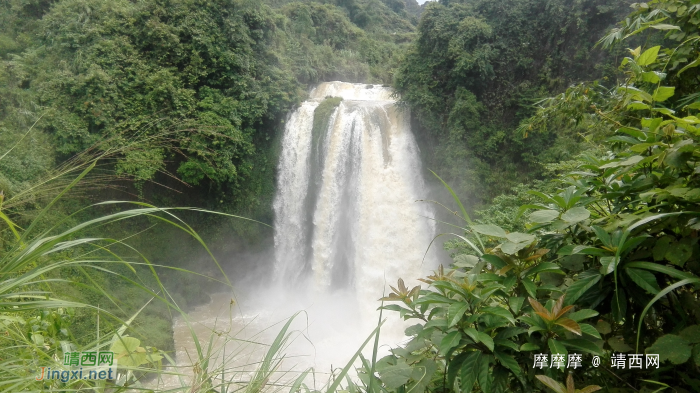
82	366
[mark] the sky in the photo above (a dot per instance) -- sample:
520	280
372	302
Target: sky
423	1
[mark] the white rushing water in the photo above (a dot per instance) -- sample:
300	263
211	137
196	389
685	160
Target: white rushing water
346	215
347	225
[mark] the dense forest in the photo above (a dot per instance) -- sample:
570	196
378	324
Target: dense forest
563	133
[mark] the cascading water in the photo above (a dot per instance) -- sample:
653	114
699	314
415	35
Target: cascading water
346	225
346	215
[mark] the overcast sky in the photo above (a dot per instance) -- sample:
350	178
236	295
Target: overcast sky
423	1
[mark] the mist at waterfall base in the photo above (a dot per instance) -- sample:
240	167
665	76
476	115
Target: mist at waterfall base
348	224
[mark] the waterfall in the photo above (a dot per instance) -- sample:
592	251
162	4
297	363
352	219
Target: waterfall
346	210
346	223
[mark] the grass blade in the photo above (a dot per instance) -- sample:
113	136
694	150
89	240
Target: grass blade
344	371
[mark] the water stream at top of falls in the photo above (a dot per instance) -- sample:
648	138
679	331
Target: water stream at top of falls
347	224
346	214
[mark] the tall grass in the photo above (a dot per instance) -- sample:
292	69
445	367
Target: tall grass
30	267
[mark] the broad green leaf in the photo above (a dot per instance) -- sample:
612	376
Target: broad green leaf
509	362
153	357
637	133
455	313
579	287
653	76
423	372
511	248
486	340
644	279
652	124
468	371
576	214
38	339
414	330
466	261
450	341
572	249
589	330
494	260
529	347
649	56
580	315
663	93
509	332
573	263
638	106
672	348
516	303
544	216
500	380
696	354
542	267
484	375
506	343
395	376
635	93
133	359
624	139
665	111
602	235
630	244
473	334
124	345
436	322
489	230
643	147
509	281
608	264
499	311
603	327
581	344
628	162
530	287
679	253
517	237
556	347
454	367
691	334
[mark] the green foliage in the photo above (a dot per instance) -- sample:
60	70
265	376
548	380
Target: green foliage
199	71
129	353
618	242
40	267
174	91
473	72
209	81
600	257
569	388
